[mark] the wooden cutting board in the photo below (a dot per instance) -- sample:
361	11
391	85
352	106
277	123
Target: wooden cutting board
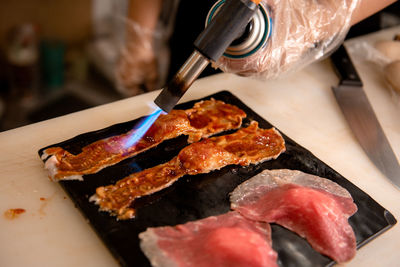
52	232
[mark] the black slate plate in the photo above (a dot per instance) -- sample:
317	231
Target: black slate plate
200	196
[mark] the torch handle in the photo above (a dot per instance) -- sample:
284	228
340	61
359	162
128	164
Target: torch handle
225	27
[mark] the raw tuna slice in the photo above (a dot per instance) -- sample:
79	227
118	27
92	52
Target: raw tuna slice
225	240
315	208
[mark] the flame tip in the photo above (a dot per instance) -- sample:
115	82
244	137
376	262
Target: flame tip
142	127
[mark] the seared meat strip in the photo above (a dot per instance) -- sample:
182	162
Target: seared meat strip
247	146
203	120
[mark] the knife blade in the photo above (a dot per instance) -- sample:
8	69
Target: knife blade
361	118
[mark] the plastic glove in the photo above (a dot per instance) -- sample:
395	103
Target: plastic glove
303	31
137	68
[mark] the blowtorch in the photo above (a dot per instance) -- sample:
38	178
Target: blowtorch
229	21
235	29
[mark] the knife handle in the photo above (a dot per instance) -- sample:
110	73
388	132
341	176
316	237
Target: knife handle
345	68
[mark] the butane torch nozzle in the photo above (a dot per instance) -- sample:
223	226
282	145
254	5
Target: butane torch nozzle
186	75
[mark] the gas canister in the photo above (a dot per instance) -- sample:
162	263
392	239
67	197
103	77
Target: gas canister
254	36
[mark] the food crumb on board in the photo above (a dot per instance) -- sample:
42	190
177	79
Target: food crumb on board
13	213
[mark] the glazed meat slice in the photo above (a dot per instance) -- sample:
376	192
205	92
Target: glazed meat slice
224	240
249	145
315	208
203	120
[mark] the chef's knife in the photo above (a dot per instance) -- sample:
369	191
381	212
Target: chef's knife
361	118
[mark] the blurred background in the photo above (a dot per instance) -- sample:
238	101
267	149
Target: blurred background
58	57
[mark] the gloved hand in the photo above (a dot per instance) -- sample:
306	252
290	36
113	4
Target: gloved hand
137	68
303	31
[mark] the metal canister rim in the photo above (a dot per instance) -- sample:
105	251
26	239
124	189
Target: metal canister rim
258	37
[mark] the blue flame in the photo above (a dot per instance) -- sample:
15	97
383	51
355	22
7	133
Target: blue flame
135	167
142	127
